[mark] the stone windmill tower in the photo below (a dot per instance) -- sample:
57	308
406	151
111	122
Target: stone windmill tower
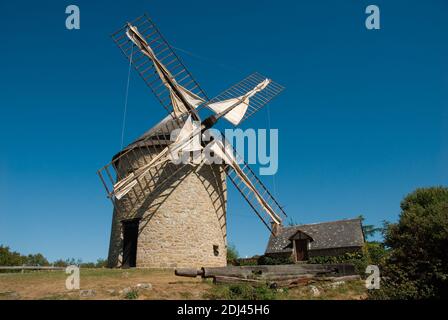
169	198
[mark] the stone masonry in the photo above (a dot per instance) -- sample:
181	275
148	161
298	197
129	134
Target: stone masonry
182	223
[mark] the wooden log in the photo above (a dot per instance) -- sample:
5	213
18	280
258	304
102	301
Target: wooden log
231	271
272	272
236	280
282	282
290	283
287	277
187	272
341	278
269	271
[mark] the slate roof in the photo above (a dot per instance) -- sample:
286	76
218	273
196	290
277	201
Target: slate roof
326	235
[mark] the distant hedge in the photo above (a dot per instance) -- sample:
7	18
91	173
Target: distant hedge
14	258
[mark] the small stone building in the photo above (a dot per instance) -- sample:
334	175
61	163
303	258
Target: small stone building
302	242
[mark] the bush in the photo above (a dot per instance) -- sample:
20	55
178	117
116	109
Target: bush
36	260
232	254
13	258
266	260
89	265
10	258
70	262
247	262
60	263
376	252
358	259
101	263
417	266
241	292
132	294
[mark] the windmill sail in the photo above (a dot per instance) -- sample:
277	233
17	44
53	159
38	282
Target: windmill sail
245	98
154	176
182	99
234	109
226	154
186	141
164	53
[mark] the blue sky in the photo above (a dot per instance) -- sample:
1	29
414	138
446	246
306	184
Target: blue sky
363	120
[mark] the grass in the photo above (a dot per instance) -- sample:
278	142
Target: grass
132	295
347	290
107	283
241	292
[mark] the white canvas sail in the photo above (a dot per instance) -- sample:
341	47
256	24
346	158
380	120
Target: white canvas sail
226	154
177	92
237	106
186	141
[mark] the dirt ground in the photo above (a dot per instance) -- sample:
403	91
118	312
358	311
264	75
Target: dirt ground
113	284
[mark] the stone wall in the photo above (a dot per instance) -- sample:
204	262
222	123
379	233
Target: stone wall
333	251
182	222
318	253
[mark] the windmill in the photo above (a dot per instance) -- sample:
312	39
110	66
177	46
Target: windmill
169	213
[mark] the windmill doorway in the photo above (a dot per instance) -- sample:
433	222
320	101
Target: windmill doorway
130	237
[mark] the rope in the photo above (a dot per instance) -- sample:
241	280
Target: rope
126	98
206	59
274	182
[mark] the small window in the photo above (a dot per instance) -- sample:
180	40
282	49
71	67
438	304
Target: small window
216	250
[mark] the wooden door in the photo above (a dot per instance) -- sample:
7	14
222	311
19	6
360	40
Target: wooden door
301	250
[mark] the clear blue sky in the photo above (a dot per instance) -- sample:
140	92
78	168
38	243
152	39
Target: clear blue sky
363	120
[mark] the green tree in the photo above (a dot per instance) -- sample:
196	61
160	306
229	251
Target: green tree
292	222
60	263
10	258
232	254
417	266
36	260
101	263
369	230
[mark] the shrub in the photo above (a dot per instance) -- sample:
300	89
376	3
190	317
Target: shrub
241	292
376	252
131	295
36	260
101	263
358	259
247	262
60	263
13	258
417	266
232	254
266	260
10	258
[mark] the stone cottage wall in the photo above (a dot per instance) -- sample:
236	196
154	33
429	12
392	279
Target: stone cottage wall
333	251
317	253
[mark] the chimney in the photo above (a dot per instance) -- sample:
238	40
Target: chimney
276	228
